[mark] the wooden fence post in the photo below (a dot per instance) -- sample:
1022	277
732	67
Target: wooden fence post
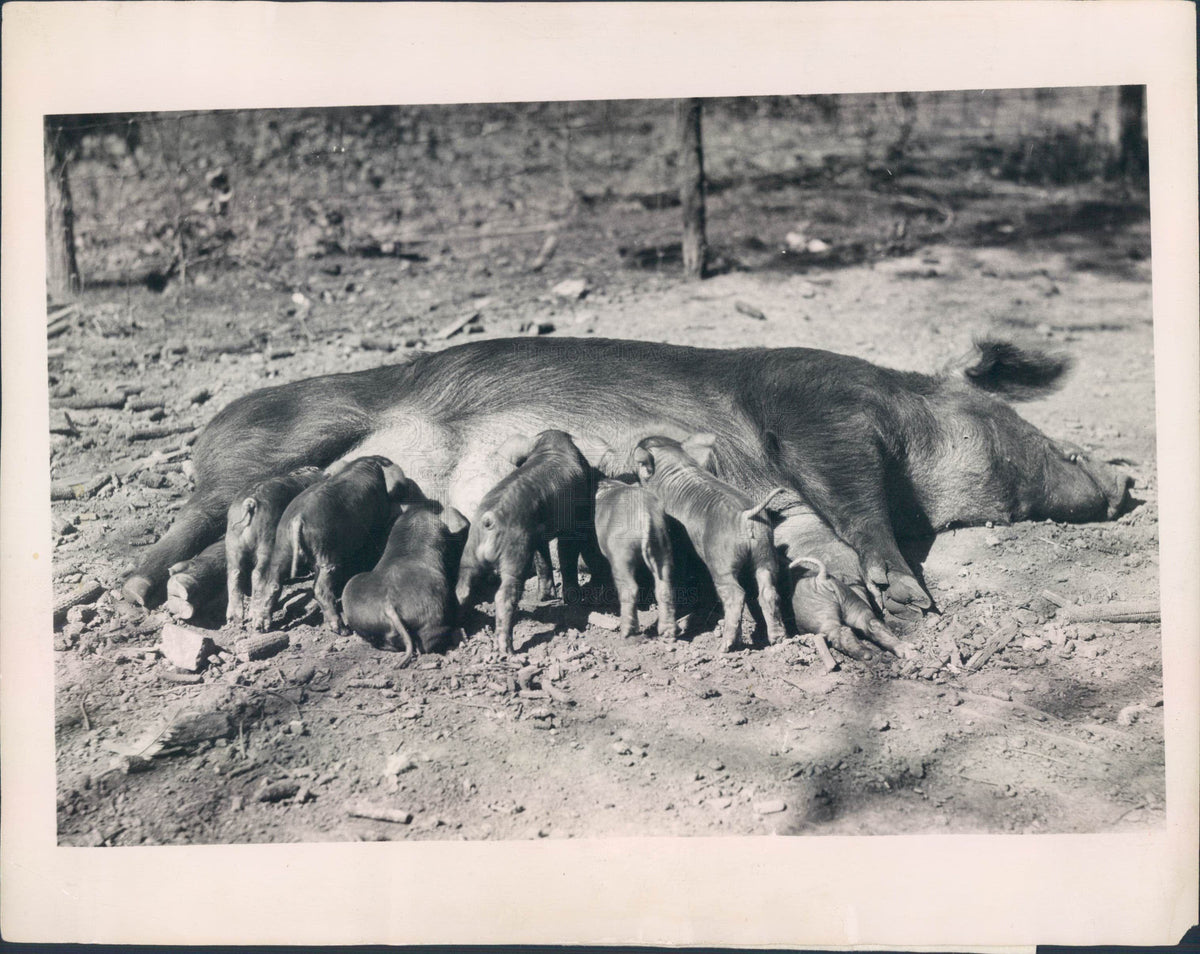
1131	112
691	186
62	271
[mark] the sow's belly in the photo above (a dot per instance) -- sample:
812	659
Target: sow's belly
455	462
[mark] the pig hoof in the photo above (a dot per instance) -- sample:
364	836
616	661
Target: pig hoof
179	608
180	586
137	590
904	589
904	611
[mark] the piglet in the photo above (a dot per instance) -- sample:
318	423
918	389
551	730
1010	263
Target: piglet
250	533
549	496
724	525
334	526
830	610
631	529
406	604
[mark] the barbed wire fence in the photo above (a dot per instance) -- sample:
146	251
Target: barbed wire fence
166	199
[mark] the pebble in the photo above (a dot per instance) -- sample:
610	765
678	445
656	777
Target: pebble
770	806
716	765
621	748
279	791
880	724
573	288
398	763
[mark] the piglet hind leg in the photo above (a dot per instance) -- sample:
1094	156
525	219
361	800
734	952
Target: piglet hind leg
627	593
664	596
733	600
768	600
545	573
325	591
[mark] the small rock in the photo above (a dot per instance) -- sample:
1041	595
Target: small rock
1129	715
716	765
880	724
992	540
198	395
816	246
621	748
749	310
1002	694
770	806
279	791
81	614
398	764
572	288
1033	643
184	647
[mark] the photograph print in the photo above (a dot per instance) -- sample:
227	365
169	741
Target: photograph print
739	466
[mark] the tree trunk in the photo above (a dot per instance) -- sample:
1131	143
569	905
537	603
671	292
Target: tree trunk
62	272
691	186
1131	114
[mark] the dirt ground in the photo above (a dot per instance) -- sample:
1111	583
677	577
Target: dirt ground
584	734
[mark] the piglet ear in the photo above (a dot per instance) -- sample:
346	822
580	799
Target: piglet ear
594	449
700	448
455	522
643	460
395	481
516	449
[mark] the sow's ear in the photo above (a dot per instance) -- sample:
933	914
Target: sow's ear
337	467
700	448
643	460
515	449
455	522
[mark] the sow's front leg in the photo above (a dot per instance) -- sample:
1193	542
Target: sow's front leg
842	474
832	602
195	582
200	523
264	434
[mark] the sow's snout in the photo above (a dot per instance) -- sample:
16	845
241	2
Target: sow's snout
1077	488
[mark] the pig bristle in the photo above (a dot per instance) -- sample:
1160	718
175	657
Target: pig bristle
1015	373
